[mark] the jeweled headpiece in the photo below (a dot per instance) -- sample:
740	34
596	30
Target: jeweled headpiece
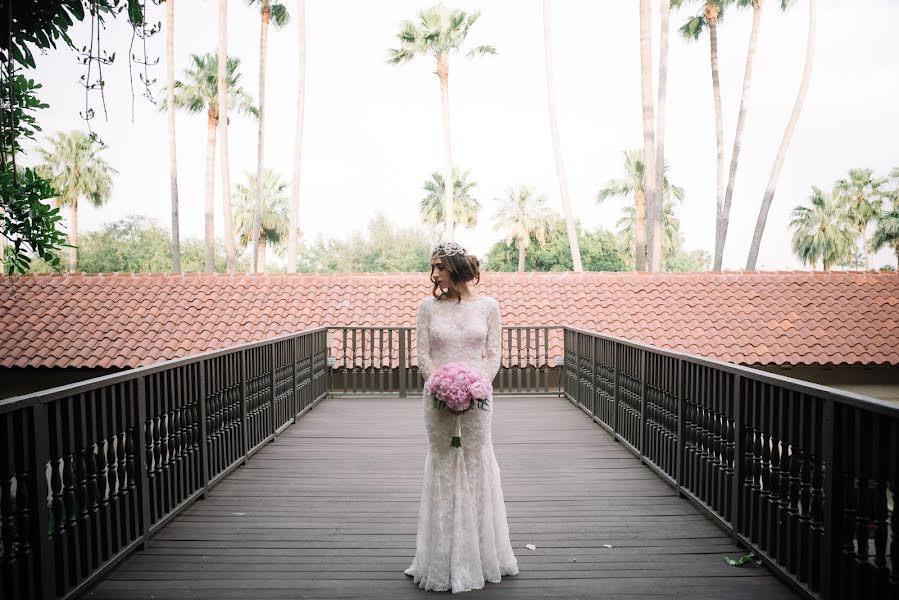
448	249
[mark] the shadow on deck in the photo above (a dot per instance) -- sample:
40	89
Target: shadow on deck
330	511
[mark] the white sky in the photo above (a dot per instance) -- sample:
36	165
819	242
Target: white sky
373	131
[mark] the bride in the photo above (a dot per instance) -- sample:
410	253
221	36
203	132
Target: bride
463	533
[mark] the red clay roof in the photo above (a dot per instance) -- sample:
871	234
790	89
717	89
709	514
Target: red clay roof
125	320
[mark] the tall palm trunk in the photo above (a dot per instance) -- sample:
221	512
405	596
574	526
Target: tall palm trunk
443	73
294	208
863	231
784	143
73	237
263	55
655	218
170	109
557	146
223	134
649	144
639	226
724	217
260	254
711	14
521	252
209	238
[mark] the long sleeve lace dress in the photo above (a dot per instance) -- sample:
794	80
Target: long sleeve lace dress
463	532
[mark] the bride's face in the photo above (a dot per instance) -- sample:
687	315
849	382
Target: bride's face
439	273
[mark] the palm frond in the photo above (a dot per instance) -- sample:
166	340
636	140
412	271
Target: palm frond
280	16
693	28
481	51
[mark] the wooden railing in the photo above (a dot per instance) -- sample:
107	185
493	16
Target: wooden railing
381	360
88	472
803	475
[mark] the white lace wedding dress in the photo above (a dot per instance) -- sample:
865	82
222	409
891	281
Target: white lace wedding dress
463	533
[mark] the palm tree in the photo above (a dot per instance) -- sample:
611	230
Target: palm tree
275	222
224	155
864	200
822	231
439	32
523	215
708	18
887	232
649	142
270	13
199	91
467	208
633	184
557	146
741	123
170	107
655	228
298	141
76	170
785	142
671	238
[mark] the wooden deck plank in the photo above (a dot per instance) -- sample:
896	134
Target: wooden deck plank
330	511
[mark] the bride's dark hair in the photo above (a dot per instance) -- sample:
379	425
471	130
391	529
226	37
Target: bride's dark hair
462	269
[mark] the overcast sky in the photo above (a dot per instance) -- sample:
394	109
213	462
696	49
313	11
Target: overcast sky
373	131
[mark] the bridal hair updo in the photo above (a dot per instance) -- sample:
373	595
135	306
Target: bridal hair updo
462	268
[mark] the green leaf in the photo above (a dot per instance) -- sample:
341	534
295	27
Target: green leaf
135	13
740	561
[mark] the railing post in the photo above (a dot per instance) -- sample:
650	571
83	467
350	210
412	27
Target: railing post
244	438
204	450
643	354
295	407
614	421
271	380
402	368
38	493
736	501
833	501
681	427
593	373
142	479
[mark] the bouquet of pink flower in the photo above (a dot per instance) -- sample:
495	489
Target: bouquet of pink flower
457	386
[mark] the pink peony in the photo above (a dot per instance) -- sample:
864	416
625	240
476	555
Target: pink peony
457	385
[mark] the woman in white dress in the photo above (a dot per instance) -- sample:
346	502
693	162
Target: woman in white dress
463	533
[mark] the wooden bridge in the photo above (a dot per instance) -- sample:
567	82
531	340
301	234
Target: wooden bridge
633	471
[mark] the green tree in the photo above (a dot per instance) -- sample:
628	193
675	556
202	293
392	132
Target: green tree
886	235
822	231
199	92
633	184
467	208
77	172
270	13
524	216
439	32
599	251
672	240
275	220
686	261
864	199
381	248
137	244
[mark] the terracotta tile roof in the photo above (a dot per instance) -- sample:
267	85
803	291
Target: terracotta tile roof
125	320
